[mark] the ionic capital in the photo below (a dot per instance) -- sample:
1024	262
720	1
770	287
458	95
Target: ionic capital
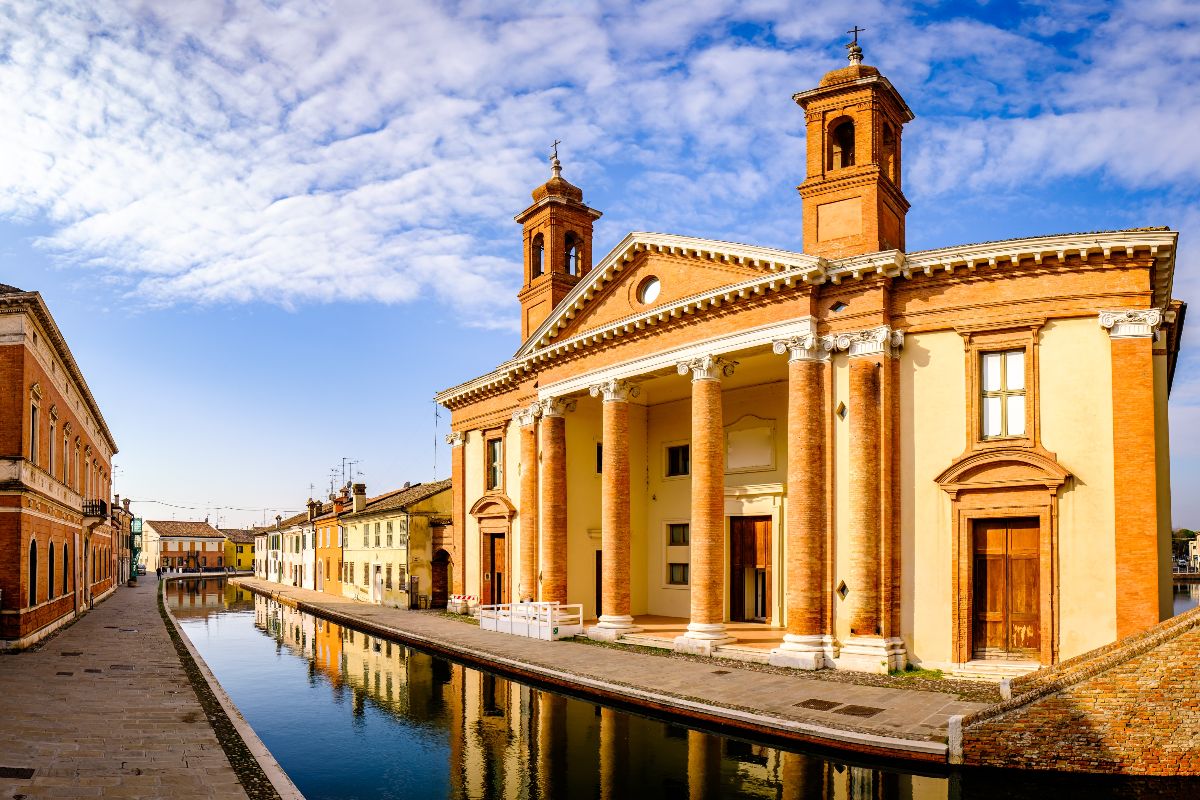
456	438
804	348
871	342
706	368
1132	323
524	417
615	391
555	406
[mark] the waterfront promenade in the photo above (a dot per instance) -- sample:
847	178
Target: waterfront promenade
880	721
105	709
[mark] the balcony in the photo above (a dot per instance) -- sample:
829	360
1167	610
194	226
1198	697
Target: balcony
95	508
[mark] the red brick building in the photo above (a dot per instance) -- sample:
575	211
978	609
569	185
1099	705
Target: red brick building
56	537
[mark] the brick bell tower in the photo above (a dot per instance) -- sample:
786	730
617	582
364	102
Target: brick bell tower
851	196
558	246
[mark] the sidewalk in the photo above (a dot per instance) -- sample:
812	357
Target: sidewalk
105	709
897	723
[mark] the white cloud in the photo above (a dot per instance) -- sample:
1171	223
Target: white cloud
370	150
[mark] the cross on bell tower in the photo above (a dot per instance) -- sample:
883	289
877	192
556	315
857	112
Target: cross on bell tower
558	245
851	196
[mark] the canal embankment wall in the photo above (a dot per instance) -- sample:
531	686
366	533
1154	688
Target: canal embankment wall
906	726
1131	707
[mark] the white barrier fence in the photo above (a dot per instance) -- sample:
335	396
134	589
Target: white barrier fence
547	621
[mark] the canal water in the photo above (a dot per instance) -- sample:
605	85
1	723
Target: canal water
1187	597
349	715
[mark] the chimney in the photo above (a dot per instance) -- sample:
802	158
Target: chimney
360	497
125	504
313	505
278	519
339	503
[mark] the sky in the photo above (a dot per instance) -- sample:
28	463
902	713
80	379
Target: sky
271	231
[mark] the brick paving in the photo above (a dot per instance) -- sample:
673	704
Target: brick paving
124	723
903	713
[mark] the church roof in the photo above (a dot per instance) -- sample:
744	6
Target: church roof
779	269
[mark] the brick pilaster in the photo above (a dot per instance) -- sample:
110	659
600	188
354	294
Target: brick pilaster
806	529
1135	475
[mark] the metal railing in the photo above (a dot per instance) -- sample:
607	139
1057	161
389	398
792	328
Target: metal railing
95	508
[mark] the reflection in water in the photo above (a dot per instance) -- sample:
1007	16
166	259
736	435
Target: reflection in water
1187	597
352	715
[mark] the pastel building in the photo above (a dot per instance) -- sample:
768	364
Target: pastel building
853	456
183	545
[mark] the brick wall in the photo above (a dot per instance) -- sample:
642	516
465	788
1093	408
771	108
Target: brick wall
1132	707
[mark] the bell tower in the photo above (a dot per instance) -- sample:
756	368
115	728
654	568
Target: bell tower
558	246
852	202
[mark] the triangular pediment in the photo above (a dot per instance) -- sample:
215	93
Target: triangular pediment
687	270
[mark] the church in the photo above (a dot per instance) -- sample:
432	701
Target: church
855	456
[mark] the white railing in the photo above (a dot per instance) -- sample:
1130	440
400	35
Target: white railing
547	621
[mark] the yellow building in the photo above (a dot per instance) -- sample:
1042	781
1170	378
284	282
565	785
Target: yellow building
239	549
853	456
387	549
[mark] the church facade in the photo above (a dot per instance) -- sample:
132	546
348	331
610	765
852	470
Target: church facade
947	457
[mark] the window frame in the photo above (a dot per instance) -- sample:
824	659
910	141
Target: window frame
979	340
489	438
666	470
1003	394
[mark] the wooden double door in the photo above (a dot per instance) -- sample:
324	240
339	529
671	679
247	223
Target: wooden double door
750	569
495	569
1006	590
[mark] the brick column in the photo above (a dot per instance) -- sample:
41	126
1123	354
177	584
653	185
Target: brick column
706	629
867	648
458	512
615	618
808	644
552	736
1135	473
527	513
704	766
553	516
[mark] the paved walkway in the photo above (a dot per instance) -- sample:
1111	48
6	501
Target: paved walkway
901	722
105	709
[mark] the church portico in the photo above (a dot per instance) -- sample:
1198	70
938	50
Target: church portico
854	457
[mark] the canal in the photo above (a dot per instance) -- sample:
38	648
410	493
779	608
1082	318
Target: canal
349	715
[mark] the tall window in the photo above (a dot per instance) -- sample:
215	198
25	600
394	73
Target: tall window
677	574
33	575
537	254
66	569
573	258
1003	394
678	534
33	433
50	448
841	145
50	571
66	451
494	456
75	469
377	534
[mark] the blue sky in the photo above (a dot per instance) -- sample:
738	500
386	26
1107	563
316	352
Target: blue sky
271	231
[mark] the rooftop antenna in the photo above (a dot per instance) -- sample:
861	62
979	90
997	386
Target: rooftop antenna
436	418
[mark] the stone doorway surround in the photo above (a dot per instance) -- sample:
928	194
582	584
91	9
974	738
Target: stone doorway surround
998	483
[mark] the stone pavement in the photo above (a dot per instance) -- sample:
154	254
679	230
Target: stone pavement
105	709
905	723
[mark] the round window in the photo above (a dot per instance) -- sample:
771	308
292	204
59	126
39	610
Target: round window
648	291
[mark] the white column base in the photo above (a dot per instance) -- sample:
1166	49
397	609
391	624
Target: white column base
702	638
611	628
803	652
872	654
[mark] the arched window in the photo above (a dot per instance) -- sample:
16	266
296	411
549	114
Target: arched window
537	255
573	259
841	145
33	572
66	569
50	571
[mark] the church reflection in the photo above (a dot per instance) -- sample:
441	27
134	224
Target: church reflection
509	740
